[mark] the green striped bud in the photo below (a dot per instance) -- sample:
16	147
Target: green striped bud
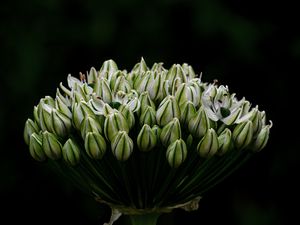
256	121
174	72
62	107
95	145
61	123
170	132
108	68
148	116
30	128
122	84
35	148
146	139
199	123
92	76
140	67
186	93
261	139
167	110
209	144
189	71
45	120
145	101
154	86
188	111
122	146
71	152
225	141
176	153
89	124
114	123
157	131
103	90
80	111
242	134
52	147
128	114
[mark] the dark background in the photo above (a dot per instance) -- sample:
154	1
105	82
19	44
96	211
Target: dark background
252	46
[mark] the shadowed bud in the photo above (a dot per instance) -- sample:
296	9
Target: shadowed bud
35	148
71	152
30	128
128	114
114	123
145	101
52	147
157	131
262	138
89	124
188	111
225	141
61	123
208	145
242	134
122	146
176	153
148	116
95	145
168	109
171	132
146	139
199	124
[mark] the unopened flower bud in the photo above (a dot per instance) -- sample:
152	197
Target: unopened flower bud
145	101
122	84
52	147
140	67
261	139
114	123
122	146
90	124
168	109
71	152
92	76
157	131
174	72
176	153
103	90
108	68
128	114
44	111
148	116
30	128
186	93
35	148
80	111
62	107
61	123
225	141
188	111
170	132
146	139
209	144
199	123
95	145
242	134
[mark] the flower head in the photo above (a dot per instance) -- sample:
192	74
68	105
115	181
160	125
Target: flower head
147	140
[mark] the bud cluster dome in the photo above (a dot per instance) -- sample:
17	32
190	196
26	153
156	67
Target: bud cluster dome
145	140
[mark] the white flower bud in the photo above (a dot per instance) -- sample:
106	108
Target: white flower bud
170	132
242	134
52	147
209	144
35	148
122	146
176	153
95	145
146	139
167	110
71	152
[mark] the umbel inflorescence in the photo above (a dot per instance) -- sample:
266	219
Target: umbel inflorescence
150	139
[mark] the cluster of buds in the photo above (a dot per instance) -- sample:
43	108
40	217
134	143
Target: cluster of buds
168	115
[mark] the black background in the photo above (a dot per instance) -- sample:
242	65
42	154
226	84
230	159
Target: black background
251	46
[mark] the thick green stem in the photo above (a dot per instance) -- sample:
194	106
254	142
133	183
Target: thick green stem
144	219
